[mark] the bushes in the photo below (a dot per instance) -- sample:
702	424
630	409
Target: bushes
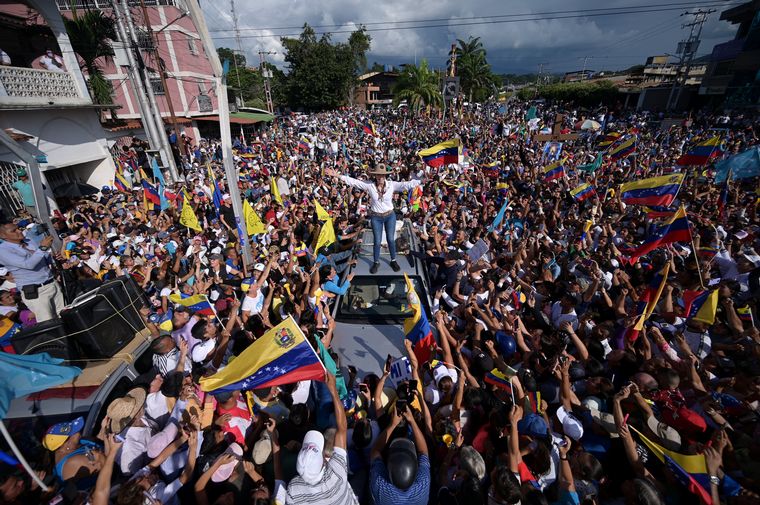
580	93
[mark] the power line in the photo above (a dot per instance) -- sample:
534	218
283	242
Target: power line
432	20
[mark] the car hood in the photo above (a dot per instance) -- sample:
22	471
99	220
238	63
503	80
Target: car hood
366	346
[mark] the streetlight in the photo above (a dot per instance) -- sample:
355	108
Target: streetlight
184	14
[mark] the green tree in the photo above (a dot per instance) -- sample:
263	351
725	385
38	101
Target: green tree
321	74
580	93
235	58
90	35
476	78
242	82
419	86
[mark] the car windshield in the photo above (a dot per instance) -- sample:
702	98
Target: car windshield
379	297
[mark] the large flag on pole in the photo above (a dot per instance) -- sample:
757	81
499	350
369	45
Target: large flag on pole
442	154
281	356
322	214
157	175
416	328
702	153
252	221
623	149
648	301
659	191
499	217
675	229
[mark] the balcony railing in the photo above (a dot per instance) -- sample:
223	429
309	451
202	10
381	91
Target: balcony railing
20	85
67	5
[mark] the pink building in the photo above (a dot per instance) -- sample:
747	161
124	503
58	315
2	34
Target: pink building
188	71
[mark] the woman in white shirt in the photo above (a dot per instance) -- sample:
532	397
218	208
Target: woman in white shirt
380	192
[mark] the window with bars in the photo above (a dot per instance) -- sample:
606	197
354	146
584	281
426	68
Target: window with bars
157	85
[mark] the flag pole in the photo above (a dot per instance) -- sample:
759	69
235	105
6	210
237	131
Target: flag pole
696	260
21	458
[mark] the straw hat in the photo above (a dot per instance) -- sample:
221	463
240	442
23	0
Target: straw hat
122	411
381	169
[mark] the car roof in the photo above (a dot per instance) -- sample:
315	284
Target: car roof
408	263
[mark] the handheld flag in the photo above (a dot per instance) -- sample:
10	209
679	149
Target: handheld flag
592	167
416	328
648	301
702	153
275	190
586	228
322	214
744	165
121	182
281	356
442	154
197	303
216	193
554	170
659	211
7	330
157	174
583	192
150	192
326	235
499	217
675	229
498	379
188	218
369	128
745	314
252	222
623	149
689	469
655	191
609	139
701	305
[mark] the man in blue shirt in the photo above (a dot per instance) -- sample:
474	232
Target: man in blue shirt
405	478
332	283
25	192
30	267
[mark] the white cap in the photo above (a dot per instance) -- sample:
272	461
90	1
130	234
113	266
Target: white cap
310	461
570	424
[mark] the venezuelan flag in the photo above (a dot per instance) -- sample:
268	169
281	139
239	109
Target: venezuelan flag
303	145
586	228
583	192
197	303
745	314
498	379
659	211
281	356
707	252
623	149
369	128
7	330
702	153
675	229
648	301
121	182
689	469
554	170
609	139
655	191
416	328
701	305
442	154
151	193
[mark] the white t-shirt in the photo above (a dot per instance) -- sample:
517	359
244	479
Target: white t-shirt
253	305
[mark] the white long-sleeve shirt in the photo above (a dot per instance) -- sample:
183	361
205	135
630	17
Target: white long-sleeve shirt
378	204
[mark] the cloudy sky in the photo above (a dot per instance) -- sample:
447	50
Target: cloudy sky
519	36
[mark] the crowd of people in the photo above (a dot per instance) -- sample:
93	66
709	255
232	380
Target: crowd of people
545	384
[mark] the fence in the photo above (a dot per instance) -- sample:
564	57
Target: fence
9	198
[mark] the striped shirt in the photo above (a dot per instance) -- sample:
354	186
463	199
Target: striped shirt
333	489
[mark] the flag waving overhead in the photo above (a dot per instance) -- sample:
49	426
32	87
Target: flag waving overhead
121	182
197	303
623	149
187	218
442	154
609	139
150	192
675	229
648	301
281	356
701	305
655	191
326	235
689	469
592	167
322	214
583	192
702	153
252	221
275	190
554	170
416	328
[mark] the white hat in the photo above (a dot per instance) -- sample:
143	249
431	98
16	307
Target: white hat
310	461
668	435
439	373
570	424
259	267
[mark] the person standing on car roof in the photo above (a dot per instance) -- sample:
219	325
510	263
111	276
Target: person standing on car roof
380	192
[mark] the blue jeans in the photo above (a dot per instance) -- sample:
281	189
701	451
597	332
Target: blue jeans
389	222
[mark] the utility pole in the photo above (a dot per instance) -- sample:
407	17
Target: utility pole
266	74
163	141
162	74
240	101
224	127
583	72
687	49
538	77
136	80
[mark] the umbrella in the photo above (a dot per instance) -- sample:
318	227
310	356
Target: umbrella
74	190
590	124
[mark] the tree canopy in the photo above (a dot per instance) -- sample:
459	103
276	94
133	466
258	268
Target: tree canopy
476	78
244	82
321	73
581	93
419	86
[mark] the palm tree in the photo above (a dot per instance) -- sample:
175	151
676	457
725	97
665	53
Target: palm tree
473	68
418	85
90	35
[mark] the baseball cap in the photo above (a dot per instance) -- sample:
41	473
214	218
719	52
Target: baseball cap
668	435
259	267
262	449
310	461
225	471
571	425
57	434
533	425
